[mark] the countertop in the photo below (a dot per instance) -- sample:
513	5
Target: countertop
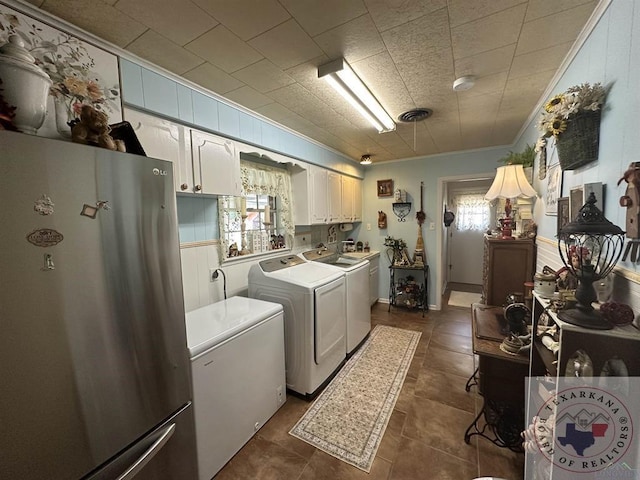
362	255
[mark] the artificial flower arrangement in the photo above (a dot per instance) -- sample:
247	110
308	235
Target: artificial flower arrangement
398	248
573	119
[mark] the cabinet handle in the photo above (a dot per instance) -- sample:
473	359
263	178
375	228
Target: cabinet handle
197	188
184	186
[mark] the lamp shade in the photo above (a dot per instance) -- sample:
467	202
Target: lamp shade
510	182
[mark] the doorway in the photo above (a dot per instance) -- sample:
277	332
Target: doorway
466	233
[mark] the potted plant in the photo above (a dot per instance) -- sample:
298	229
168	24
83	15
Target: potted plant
524	158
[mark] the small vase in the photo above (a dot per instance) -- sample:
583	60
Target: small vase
64	114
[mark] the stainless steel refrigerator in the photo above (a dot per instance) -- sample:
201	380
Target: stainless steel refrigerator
94	366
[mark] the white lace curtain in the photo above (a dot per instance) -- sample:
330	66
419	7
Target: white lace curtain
472	212
261	179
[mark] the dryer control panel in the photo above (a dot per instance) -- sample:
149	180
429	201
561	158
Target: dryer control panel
275	264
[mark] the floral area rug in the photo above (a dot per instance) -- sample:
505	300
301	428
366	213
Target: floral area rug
349	417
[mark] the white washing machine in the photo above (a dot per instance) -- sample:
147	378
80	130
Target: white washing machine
357	291
314	302
238	370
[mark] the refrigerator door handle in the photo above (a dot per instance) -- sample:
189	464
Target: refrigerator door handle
139	464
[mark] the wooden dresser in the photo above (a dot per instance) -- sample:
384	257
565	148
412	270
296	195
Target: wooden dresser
507	265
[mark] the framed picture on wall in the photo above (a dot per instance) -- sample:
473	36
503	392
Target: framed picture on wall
576	200
554	189
385	188
563	213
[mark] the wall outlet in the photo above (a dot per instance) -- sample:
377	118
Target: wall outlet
368	226
213	274
432	226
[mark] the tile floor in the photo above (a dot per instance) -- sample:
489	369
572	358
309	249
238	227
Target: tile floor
424	438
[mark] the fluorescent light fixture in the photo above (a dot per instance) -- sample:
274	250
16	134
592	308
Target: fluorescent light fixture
343	79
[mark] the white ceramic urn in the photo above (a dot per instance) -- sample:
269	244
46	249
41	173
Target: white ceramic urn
24	85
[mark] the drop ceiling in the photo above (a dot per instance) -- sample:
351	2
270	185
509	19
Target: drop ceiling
264	54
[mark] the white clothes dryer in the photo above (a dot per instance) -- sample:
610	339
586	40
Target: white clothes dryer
314	302
357	291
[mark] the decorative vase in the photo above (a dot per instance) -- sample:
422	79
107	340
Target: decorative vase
579	143
25	85
64	113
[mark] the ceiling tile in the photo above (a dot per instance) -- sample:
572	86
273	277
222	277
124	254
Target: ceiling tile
353	41
286	45
275	111
476	105
248	97
222	48
488	33
543	8
486	63
160	15
37	3
464	11
299	101
264	76
494	83
211	77
157	49
531	85
446	135
113	25
317	17
545	59
246	18
415	39
552	30
391	13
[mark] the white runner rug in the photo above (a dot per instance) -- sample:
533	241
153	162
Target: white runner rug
463	299
349	417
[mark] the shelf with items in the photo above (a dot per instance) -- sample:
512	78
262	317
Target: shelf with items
600	345
407	289
565	359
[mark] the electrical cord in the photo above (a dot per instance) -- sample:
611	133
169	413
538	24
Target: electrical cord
224	280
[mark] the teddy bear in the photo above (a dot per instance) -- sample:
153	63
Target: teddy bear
92	128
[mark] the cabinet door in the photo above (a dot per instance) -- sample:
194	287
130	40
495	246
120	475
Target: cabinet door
334	183
302	193
165	140
347	199
357	200
319	195
216	164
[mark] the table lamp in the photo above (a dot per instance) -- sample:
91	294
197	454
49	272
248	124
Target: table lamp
590	246
510	182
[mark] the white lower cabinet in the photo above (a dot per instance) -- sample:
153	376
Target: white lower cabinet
374	276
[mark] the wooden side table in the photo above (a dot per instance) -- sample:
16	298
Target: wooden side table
501	381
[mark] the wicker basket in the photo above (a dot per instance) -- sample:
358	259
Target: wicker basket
578	144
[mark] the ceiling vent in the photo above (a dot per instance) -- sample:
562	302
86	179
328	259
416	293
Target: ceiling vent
415	115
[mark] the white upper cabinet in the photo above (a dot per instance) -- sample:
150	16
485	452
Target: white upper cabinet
347	199
351	199
216	165
357	200
165	140
319	195
334	183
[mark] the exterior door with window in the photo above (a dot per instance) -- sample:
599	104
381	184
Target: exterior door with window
466	235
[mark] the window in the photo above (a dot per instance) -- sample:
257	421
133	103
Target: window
266	206
472	212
